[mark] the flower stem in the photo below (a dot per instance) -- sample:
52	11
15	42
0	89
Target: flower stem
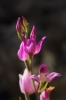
44	87
27	65
27	96
36	93
20	98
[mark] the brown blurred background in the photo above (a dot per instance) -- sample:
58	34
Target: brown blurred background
49	17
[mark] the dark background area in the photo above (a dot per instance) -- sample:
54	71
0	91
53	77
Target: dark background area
49	17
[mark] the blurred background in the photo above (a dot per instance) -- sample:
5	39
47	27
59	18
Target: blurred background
49	17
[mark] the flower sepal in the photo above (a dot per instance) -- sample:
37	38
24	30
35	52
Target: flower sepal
19	36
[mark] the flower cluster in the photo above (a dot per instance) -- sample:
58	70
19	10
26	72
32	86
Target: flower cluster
30	83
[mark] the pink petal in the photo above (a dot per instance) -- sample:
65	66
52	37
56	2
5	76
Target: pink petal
35	77
38	47
33	33
29	45
45	95
51	76
21	82
30	49
24	39
25	83
21	53
43	69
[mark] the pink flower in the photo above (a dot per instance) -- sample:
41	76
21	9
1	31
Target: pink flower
44	74
28	47
21	53
45	95
31	47
25	83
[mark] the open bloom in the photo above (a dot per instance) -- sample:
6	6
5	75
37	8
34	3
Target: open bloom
45	95
31	47
44	74
28	47
21	53
25	83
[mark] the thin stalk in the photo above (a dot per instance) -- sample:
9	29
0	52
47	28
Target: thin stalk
27	65
27	96
20	98
36	93
44	87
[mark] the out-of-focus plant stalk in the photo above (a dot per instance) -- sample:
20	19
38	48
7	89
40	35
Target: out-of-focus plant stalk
31	70
27	65
20	98
27	96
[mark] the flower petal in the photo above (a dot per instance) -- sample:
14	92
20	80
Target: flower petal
43	69
45	95
51	76
28	82
21	53
24	39
21	82
33	33
35	77
30	49
25	83
38	47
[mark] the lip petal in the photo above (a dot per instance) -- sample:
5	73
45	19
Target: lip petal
43	68
30	47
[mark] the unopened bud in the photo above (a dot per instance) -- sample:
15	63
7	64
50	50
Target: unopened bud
25	23
19	26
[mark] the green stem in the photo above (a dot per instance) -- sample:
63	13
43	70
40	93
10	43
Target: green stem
27	96
44	87
36	93
27	65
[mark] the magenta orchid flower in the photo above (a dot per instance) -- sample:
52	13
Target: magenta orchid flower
44	74
21	53
25	83
45	95
31	47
